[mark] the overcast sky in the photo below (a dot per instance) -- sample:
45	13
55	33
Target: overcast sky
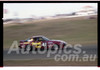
42	9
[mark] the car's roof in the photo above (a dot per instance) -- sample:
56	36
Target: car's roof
37	36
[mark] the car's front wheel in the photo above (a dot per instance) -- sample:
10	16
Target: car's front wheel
55	47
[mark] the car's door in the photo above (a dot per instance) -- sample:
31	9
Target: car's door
37	42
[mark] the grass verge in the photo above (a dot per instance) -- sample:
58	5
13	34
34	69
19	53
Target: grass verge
72	30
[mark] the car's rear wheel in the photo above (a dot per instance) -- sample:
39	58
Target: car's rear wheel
28	48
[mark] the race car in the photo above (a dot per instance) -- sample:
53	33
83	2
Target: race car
41	42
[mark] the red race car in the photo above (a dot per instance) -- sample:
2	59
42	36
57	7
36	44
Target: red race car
41	42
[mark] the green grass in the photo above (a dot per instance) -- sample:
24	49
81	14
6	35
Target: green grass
73	31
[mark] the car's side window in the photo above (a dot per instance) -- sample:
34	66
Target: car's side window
35	39
40	39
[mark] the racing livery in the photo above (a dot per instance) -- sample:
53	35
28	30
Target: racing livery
41	42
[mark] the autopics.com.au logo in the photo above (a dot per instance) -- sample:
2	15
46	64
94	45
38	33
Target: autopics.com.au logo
68	53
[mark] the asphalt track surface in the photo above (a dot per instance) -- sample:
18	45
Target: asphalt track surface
89	50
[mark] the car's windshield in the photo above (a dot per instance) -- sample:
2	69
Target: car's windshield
46	39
